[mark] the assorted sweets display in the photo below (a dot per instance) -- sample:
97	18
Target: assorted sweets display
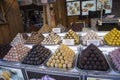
45	29
4	49
115	58
35	38
52	38
113	37
72	35
91	35
16	53
92	58
18	39
37	55
62	58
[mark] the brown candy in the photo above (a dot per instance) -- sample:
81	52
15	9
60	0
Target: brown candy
35	38
16	53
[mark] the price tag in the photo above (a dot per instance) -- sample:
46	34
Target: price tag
98	79
69	41
56	30
95	42
44	1
119	20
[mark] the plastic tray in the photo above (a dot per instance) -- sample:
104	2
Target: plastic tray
112	65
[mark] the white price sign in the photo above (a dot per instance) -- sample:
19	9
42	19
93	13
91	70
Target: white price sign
69	41
95	42
119	20
56	30
44	1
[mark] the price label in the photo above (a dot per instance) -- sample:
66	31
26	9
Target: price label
119	20
95	42
44	1
56	30
98	79
69	41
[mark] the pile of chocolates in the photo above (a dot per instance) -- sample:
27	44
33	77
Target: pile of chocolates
16	53
77	26
37	55
92	59
18	39
91	35
25	36
4	49
52	38
115	57
35	38
113	37
45	29
72	35
62	58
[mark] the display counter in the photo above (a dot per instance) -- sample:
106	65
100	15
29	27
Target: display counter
37	72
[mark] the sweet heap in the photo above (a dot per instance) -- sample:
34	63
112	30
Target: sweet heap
72	35
25	36
35	38
37	55
4	49
45	29
52	38
16	53
115	56
62	58
91	35
18	40
92	59
113	37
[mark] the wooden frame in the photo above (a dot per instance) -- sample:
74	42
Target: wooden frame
2	14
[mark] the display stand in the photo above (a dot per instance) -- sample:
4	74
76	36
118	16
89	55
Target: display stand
31	71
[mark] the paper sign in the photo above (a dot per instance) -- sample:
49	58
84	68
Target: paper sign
69	41
56	30
98	79
44	1
119	20
95	42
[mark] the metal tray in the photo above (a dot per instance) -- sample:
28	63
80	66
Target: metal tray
93	71
111	64
11	62
34	65
60	69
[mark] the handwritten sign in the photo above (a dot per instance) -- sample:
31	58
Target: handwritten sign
95	42
69	41
44	1
56	30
